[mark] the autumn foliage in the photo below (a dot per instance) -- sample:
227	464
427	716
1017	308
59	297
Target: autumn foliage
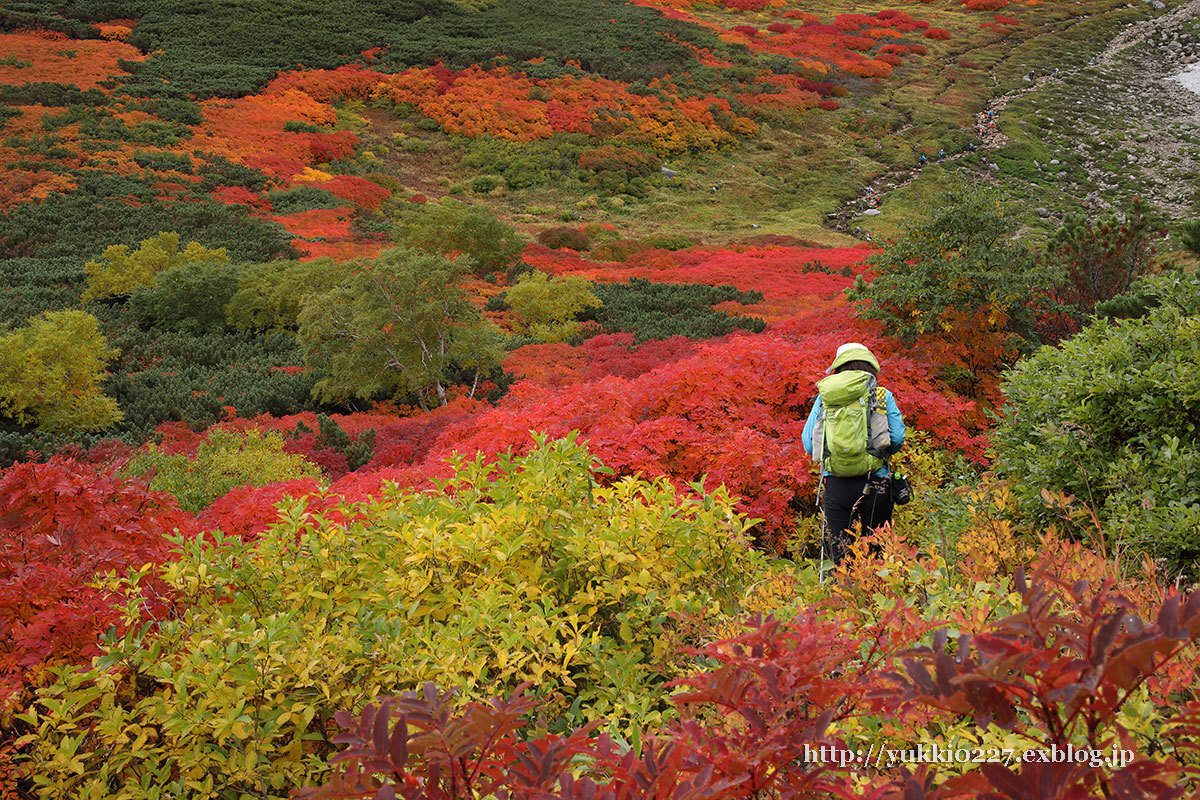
64	523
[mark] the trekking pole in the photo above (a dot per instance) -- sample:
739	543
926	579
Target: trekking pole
821	505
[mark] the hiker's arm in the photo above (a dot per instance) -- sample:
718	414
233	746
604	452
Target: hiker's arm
895	423
807	436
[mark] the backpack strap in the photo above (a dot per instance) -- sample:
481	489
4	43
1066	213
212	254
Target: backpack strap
876	398
872	385
819	437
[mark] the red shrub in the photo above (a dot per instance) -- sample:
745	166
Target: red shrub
63	523
359	191
937	33
331	146
249	510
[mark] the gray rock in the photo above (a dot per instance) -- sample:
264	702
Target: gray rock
1043	213
1055	162
871	212
670	173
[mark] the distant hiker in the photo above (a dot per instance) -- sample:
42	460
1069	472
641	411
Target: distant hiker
924	160
858	231
970	147
854	426
941	156
1032	75
991	114
1055	74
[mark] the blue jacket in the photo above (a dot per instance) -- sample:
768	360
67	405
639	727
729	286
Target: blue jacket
895	428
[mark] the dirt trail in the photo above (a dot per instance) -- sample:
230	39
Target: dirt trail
874	193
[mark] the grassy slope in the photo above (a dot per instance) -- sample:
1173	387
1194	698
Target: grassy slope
796	171
1053	122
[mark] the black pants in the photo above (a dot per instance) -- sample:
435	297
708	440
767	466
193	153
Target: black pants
841	513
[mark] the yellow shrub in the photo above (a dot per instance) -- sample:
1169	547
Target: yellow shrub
119	271
991	545
519	571
225	461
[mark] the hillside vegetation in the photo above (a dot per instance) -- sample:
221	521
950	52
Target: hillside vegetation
406	398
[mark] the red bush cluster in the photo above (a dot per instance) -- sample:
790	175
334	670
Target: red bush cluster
62	524
511	105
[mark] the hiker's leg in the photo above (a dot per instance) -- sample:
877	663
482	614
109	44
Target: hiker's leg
876	510
840	497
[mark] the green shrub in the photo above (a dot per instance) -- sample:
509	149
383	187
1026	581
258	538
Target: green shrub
1105	417
216	170
525	570
298	126
163	161
270	295
414	144
961	259
50	373
662	310
484	184
625	42
400	325
184	111
197	377
620	169
668	241
51	95
330	435
187	296
524	164
29	286
547	307
108	209
120	271
225	461
303	198
450	226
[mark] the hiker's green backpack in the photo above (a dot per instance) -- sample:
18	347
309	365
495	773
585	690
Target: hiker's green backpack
851	436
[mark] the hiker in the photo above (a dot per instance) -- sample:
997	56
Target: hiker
924	160
941	156
854	427
970	147
1055	75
